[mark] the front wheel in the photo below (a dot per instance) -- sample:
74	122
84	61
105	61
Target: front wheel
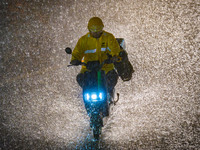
96	132
96	123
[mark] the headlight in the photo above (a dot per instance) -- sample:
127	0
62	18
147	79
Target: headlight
94	96
101	96
87	96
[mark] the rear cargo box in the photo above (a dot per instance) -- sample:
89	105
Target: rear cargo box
123	66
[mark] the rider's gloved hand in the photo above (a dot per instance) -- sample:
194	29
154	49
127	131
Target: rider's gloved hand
108	61
111	60
75	62
114	58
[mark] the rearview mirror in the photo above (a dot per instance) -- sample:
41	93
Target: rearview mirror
68	50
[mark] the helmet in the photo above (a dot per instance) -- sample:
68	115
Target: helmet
95	24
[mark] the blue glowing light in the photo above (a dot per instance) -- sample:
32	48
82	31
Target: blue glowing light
94	96
87	96
101	96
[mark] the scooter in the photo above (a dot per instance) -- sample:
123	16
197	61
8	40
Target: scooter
95	95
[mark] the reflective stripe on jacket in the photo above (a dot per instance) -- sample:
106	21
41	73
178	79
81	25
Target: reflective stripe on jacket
92	49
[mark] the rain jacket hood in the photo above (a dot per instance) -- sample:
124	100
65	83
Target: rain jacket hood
95	24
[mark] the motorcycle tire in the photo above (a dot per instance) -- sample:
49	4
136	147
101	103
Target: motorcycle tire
97	124
96	132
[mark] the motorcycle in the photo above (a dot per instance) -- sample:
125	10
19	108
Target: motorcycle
95	95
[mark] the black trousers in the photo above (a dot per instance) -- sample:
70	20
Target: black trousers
111	78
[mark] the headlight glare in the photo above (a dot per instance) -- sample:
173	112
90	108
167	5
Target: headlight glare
87	96
94	96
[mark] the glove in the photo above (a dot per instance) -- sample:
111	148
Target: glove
114	58
75	62
111	60
108	61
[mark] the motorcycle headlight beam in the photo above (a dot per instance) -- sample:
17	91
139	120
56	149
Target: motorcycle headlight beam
87	96
101	96
94	96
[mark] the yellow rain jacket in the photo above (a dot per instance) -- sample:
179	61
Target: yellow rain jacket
92	49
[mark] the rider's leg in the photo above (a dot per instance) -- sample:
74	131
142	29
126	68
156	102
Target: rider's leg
112	78
80	79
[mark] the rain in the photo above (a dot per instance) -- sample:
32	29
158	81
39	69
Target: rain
41	104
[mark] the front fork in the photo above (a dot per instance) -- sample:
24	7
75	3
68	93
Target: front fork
96	120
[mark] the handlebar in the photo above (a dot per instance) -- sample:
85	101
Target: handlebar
81	63
92	65
95	65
